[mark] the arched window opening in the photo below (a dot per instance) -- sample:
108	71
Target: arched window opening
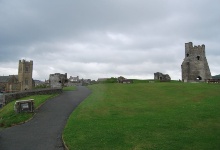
198	57
187	55
199	78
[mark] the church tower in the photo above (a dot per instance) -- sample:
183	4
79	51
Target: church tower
195	65
25	70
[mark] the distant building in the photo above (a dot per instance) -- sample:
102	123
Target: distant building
58	80
74	79
38	82
86	81
9	83
22	81
127	81
161	76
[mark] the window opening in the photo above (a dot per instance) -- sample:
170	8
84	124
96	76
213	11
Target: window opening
26	69
187	55
198	57
199	78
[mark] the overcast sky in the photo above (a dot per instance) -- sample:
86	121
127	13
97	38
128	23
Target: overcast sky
106	38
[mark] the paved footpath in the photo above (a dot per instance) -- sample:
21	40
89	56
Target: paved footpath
44	131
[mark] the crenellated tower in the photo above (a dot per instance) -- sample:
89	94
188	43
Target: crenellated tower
195	65
25	69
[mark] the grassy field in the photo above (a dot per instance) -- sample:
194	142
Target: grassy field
8	117
147	116
69	88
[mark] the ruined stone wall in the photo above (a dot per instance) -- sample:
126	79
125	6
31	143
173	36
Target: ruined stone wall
55	81
195	65
13	96
161	76
58	80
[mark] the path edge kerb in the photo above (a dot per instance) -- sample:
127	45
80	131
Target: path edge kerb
64	144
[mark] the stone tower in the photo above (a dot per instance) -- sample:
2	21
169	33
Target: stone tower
195	65
25	70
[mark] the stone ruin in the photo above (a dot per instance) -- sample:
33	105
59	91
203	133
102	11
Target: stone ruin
58	80
195	65
161	77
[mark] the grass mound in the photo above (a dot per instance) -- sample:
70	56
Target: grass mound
147	116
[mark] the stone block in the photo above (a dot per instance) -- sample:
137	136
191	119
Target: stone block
24	106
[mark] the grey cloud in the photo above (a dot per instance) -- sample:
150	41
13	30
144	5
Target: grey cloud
106	38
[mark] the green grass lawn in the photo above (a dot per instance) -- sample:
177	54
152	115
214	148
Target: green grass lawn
8	117
159	116
69	88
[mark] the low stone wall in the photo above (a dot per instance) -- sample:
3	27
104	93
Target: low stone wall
13	96
1	100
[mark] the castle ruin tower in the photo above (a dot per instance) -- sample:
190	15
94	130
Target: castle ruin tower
195	65
25	69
